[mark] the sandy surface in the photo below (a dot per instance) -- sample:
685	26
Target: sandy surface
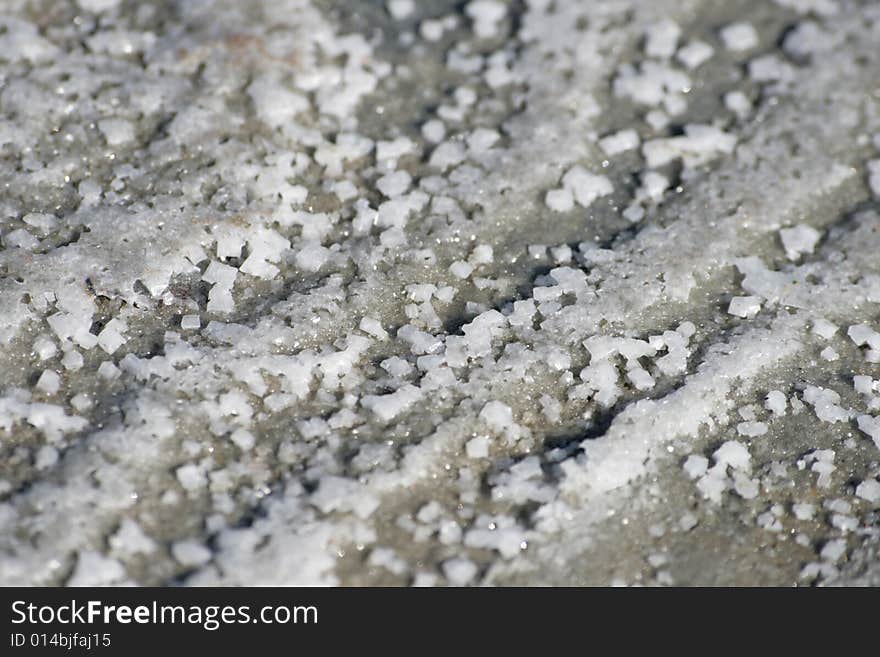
484	293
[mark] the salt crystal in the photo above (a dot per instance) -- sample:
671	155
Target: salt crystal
823	328
776	402
459	571
111	338
833	550
559	200
394	184
863	334
191	477
116	131
619	142
92	568
44	347
107	370
746	307
49	382
387	407
870	426
190	322
400	9
696	465
829	354
373	327
46	457
486	15
825	403
190	554
662	39
243	439
694	53
738	103
869	490
477	448
434	131
739	37
734	454
586	187
874	177
799	240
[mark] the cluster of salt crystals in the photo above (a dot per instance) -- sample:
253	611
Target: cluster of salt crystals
658	84
731	469
578	186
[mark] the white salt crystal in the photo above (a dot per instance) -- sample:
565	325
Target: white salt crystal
394	184
459	571
190	322
190	553
869	490
662	39
619	142
130	539
751	429
107	370
799	240
833	550
586	187
738	37
734	454
72	360
640	379
863	385
220	274
93	568
874	177
373	327
823	328
870	426
829	354
97	6
477	448
81	402
482	140
559	200
776	402
653	185
696	465
243	438
863	334
49	382
825	403
688	521
482	254
694	53
486	15
434	131
116	131
44	347
191	477
746	307
111	338
46	457
400	9
446	155
220	300
387	407
738	103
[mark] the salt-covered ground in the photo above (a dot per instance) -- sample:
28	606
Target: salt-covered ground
528	292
